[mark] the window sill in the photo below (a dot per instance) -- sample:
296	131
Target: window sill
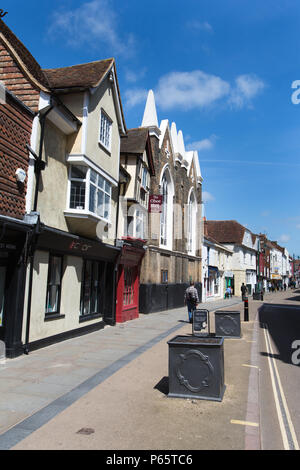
82	213
53	316
92	316
105	149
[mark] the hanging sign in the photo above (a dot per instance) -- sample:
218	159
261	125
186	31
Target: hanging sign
155	203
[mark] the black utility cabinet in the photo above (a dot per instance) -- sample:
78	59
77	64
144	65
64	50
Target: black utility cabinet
196	367
228	323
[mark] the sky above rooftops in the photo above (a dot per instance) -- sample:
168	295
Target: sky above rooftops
223	71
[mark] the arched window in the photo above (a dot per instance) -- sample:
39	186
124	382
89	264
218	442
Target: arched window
192	223
166	217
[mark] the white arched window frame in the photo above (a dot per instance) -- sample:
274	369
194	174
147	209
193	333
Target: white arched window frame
166	217
192	223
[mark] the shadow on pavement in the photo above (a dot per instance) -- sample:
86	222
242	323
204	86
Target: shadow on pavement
163	386
283	324
297	298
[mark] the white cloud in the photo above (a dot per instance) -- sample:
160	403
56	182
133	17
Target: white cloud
284	238
206	196
246	88
199	90
204	144
200	26
135	76
134	97
190	90
92	23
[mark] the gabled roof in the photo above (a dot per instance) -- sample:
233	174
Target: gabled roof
135	142
85	76
225	231
64	79
22	56
278	247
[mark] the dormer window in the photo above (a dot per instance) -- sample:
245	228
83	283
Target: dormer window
105	131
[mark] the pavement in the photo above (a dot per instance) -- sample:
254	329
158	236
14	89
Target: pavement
109	390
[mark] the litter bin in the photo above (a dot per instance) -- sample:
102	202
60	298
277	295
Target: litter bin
228	323
196	367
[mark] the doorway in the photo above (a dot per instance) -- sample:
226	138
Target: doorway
2	300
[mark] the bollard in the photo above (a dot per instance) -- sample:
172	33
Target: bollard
246	310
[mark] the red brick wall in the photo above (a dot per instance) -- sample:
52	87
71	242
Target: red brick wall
15	132
15	81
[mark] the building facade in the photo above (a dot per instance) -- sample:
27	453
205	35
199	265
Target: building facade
173	249
216	268
244	246
69	203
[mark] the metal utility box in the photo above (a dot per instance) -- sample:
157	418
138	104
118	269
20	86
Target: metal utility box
196	367
228	323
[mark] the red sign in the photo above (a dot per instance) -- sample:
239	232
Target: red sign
155	203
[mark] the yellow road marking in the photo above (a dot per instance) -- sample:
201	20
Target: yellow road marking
272	361
249	365
244	423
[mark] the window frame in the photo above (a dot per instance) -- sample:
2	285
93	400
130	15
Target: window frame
88	183
107	119
57	312
101	289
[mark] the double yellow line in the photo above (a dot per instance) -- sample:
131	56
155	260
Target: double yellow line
286	426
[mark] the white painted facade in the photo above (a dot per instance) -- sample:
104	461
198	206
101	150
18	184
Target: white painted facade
216	262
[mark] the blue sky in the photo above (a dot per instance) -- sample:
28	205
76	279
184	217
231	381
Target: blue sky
222	70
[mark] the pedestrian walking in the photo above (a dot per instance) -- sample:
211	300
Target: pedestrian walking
191	300
228	292
244	291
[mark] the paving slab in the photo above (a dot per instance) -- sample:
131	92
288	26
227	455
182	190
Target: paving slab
74	368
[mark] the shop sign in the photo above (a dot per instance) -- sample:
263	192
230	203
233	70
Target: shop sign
275	276
79	246
155	204
7	246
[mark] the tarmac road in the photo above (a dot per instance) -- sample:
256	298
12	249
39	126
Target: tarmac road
279	340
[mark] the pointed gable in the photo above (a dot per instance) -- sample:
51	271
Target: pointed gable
19	71
166	144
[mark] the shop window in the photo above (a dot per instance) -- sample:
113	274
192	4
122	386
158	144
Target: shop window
54	284
92	289
128	294
164	276
2	292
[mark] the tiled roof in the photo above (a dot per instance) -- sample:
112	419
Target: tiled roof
225	231
78	76
22	52
135	140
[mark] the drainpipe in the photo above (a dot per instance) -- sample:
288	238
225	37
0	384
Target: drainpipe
39	166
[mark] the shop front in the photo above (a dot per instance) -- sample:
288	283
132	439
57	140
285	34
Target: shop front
229	281
213	282
14	238
128	282
72	290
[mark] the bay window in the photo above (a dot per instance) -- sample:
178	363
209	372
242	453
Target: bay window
89	192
